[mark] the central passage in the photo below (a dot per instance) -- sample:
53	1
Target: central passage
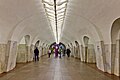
55	69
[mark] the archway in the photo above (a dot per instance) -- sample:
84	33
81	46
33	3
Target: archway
89	51
60	47
77	50
63	48
72	49
86	40
52	45
115	47
23	53
37	44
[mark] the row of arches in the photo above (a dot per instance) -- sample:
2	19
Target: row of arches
22	52
106	56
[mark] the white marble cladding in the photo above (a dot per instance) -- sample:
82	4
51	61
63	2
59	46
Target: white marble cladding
75	52
22	54
44	51
11	55
25	53
107	58
81	53
116	59
113	54
107	55
40	51
31	52
91	57
100	55
72	52
3	48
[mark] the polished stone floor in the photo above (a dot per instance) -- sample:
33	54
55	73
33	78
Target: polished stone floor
56	69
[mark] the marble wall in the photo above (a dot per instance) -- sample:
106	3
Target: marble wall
25	53
116	59
113	54
44	51
100	55
91	56
81	53
11	55
87	54
40	51
72	51
107	57
76	52
3	48
29	54
22	54
32	52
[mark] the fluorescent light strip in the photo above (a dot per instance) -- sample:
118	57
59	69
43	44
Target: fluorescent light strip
55	12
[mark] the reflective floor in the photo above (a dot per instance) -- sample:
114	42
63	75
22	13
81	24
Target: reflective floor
56	69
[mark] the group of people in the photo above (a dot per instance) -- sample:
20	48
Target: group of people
59	52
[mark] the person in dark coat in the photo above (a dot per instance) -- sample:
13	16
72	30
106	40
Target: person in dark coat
68	52
36	54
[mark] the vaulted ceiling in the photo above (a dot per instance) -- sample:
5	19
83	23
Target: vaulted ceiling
93	18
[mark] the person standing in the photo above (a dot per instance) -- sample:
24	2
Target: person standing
60	52
68	52
49	53
36	54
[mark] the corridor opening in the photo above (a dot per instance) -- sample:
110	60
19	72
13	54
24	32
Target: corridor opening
58	49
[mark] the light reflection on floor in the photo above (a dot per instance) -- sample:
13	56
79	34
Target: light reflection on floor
55	69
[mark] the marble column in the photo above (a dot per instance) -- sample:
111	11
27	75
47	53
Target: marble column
116	59
83	50
78	48
32	52
3	49
86	53
91	57
77	51
40	51
22	53
100	56
72	52
29	54
81	53
113	54
10	57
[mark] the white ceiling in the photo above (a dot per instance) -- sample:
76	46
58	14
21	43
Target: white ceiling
83	17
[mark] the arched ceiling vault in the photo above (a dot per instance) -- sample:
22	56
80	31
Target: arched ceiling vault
100	13
83	17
